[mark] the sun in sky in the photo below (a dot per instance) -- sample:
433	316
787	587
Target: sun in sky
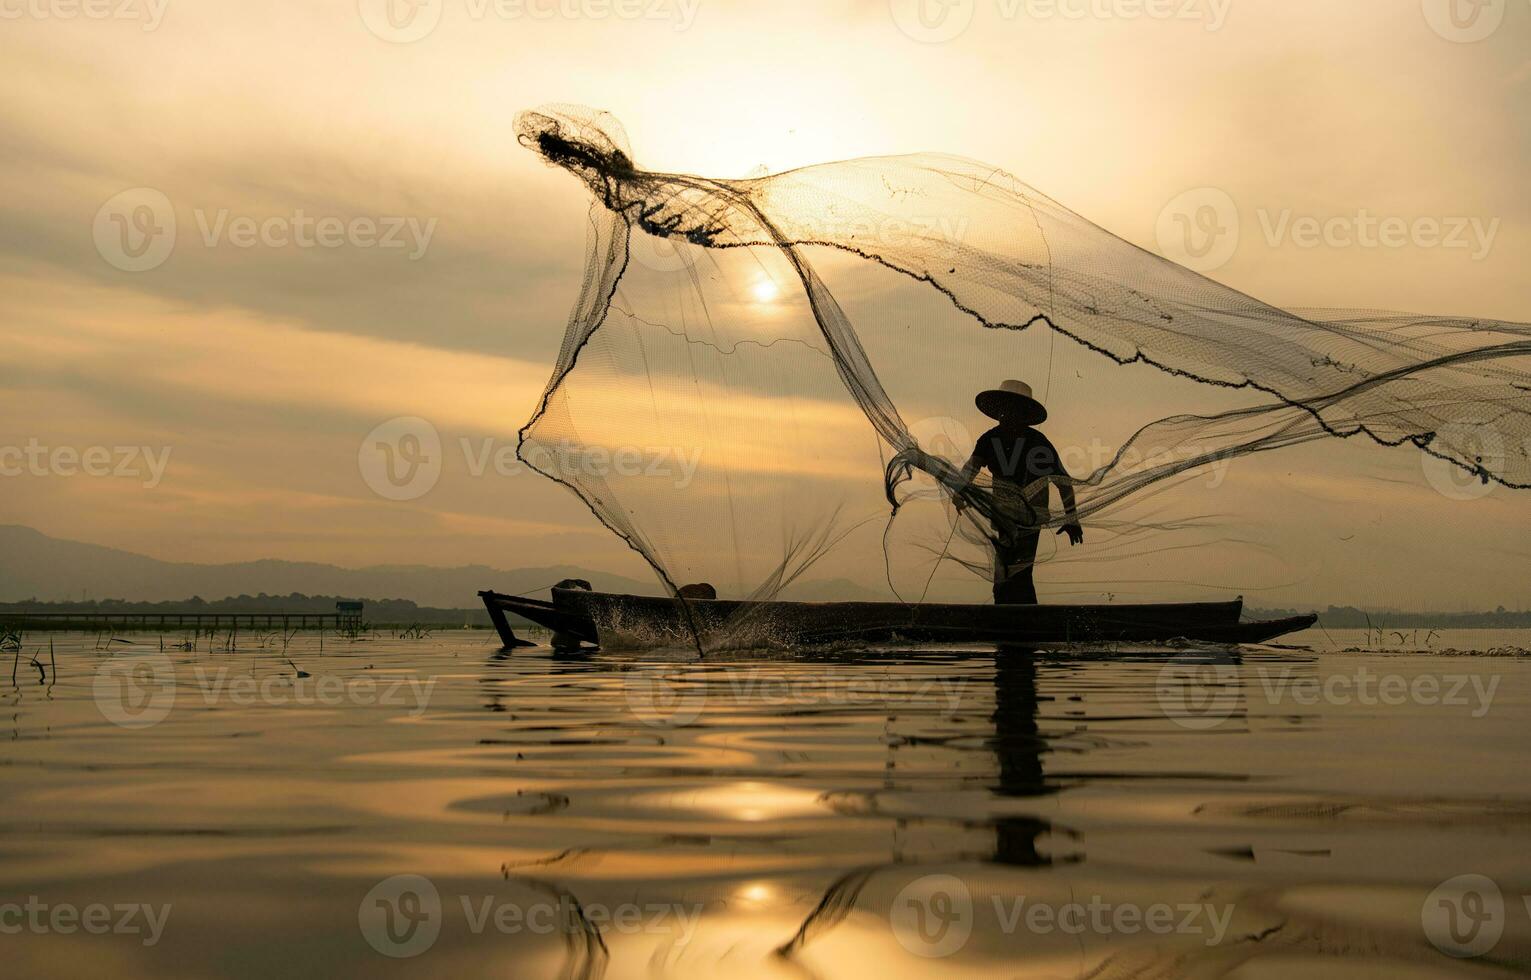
765	291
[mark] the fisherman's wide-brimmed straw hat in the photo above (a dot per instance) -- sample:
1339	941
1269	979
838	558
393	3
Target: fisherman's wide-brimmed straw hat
1012	400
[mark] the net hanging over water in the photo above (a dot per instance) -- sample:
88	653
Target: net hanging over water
715	405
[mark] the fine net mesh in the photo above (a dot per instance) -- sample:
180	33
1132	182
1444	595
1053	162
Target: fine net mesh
736	421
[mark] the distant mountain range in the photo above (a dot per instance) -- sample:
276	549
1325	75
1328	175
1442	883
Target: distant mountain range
36	566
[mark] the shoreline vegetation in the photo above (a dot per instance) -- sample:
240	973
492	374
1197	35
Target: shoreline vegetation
1349	617
376	612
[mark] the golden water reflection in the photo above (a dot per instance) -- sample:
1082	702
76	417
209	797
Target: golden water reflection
898	814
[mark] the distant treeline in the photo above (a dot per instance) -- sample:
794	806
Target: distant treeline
375	611
1349	617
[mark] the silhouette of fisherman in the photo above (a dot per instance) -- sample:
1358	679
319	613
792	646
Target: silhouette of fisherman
1023	464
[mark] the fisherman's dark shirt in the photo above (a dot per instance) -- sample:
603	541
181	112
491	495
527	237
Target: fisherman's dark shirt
1018	455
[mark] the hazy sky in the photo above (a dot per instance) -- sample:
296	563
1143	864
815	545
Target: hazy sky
261	348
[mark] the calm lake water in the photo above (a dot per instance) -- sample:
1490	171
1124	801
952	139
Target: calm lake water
433	807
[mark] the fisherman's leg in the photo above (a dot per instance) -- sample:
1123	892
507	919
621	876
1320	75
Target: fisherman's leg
1001	572
1013	565
1018	589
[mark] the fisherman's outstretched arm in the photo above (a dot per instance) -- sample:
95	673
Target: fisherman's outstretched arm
1066	491
1071	524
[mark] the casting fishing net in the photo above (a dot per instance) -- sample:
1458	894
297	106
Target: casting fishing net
736	421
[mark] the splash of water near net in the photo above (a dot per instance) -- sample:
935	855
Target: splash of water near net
790	411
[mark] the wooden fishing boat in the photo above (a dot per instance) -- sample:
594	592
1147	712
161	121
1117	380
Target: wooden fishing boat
578	617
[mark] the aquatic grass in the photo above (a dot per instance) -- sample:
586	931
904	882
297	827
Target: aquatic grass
273	637
11	642
1377	635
